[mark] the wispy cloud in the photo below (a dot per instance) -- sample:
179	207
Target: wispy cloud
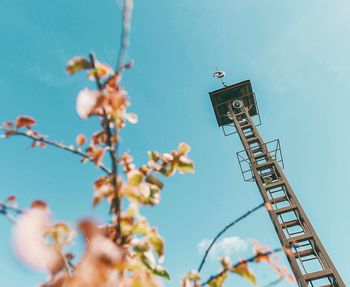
40	72
227	246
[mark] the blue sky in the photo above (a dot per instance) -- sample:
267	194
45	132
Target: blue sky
296	53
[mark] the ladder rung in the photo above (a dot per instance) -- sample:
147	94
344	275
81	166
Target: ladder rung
265	164
260	156
290	223
285	209
274	185
246	126
300	238
243	123
279	199
304	253
252	135
318	275
257	149
303	245
253	139
297	232
309	259
239	114
278	190
270	174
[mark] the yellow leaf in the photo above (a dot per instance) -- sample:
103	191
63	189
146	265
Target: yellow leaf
132	210
157	242
141	227
243	270
184	148
184	164
135	177
218	281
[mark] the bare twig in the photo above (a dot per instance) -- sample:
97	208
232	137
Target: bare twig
251	259
126	24
224	230
67	264
124	40
97	78
10	208
60	146
5	209
9	217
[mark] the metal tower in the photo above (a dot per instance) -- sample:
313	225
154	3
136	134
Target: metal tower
234	107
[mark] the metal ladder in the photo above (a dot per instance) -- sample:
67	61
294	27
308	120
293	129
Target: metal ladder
310	263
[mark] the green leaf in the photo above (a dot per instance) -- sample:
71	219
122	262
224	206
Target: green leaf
153	180
148	260
78	63
153	155
141	246
161	271
167	170
154	196
184	164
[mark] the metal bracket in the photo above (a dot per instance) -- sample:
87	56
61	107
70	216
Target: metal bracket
275	153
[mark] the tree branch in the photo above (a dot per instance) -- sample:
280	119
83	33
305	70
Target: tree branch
113	152
249	260
11	208
124	40
60	146
4	210
9	217
126	24
224	230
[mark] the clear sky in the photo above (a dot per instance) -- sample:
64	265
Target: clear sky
296	53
